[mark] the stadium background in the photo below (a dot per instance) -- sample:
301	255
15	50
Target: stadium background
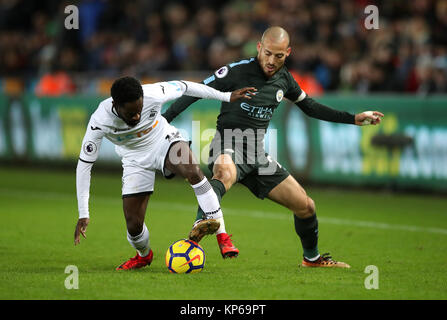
51	80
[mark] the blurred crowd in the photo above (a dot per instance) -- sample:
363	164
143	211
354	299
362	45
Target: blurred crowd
331	48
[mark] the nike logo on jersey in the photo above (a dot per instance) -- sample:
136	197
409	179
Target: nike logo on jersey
95	128
197	256
162	89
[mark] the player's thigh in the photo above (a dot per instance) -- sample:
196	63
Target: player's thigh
224	170
290	194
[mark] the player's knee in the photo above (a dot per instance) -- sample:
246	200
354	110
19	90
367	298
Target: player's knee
225	175
306	209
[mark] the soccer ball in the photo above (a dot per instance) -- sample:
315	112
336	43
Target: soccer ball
185	256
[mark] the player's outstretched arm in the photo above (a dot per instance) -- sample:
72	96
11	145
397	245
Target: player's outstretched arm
203	91
368	117
319	111
178	107
195	91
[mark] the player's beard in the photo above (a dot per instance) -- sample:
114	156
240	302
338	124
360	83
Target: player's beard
270	70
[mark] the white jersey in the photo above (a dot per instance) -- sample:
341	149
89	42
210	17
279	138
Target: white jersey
132	143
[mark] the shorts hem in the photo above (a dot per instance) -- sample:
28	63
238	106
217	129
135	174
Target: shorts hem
138	194
264	195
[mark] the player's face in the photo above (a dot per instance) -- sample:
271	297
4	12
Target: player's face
130	112
272	55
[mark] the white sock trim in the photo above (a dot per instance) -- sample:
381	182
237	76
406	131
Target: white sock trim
197	185
312	259
140	242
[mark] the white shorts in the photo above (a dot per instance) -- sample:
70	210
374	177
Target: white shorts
139	171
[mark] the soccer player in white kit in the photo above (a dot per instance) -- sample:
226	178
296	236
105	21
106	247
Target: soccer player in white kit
146	142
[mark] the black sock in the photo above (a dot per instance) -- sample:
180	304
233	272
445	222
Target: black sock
307	230
219	189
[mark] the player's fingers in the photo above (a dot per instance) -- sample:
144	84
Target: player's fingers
377	113
377	121
250	90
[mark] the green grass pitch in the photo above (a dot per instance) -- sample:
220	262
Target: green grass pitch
404	236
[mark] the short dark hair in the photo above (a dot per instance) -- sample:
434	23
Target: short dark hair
126	89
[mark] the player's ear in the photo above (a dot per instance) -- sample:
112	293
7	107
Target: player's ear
289	50
258	47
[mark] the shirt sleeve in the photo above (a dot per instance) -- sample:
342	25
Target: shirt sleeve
221	79
83	175
319	111
88	155
91	142
294	92
172	90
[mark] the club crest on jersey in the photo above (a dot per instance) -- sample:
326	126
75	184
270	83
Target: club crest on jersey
222	72
152	114
90	148
279	95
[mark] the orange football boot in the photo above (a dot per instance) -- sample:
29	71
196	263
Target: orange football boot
324	261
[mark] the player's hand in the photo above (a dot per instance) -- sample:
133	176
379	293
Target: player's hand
81	228
368	117
244	93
